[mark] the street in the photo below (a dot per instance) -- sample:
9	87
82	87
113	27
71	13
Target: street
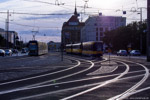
46	77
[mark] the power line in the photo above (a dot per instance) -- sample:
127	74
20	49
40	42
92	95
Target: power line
55	14
36	13
31	25
55	4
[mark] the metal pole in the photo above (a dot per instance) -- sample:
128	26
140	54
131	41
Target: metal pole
62	50
62	47
148	30
7	30
141	14
141	46
14	37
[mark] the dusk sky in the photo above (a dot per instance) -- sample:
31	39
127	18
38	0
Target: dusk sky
47	16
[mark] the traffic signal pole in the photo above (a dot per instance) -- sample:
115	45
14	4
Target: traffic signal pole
148	30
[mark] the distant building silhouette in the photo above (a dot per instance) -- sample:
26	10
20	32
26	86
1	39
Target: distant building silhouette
54	46
11	35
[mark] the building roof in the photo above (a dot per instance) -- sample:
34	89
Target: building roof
73	18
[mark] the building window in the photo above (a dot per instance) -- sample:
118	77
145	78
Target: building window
96	34
96	29
101	38
101	29
101	33
96	38
106	29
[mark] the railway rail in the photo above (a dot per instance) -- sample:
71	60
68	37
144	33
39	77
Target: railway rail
76	82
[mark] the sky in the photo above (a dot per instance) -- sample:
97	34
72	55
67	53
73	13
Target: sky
44	18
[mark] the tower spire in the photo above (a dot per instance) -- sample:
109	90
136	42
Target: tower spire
75	12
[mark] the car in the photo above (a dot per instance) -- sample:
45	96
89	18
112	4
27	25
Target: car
2	52
8	52
122	53
24	50
135	53
15	51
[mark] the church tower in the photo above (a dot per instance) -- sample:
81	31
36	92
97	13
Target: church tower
75	11
71	30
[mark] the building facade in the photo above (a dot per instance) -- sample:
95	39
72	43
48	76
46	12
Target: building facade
95	26
71	30
54	46
11	35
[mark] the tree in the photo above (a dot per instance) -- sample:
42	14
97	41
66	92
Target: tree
2	41
122	37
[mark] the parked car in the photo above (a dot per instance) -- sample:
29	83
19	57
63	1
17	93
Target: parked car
2	52
135	53
122	53
15	51
24	50
8	52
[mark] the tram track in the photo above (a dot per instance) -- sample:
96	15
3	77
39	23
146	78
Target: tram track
134	87
77	88
27	79
80	86
17	69
80	71
125	94
64	84
35	77
98	86
85	80
49	75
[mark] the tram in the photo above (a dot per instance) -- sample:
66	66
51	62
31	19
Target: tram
77	48
69	48
86	48
37	48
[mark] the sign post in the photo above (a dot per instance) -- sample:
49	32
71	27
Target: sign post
129	50
109	51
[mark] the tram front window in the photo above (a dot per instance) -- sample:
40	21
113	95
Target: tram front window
98	47
33	47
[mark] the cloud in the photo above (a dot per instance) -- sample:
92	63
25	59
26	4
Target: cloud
63	14
3	1
57	16
51	24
